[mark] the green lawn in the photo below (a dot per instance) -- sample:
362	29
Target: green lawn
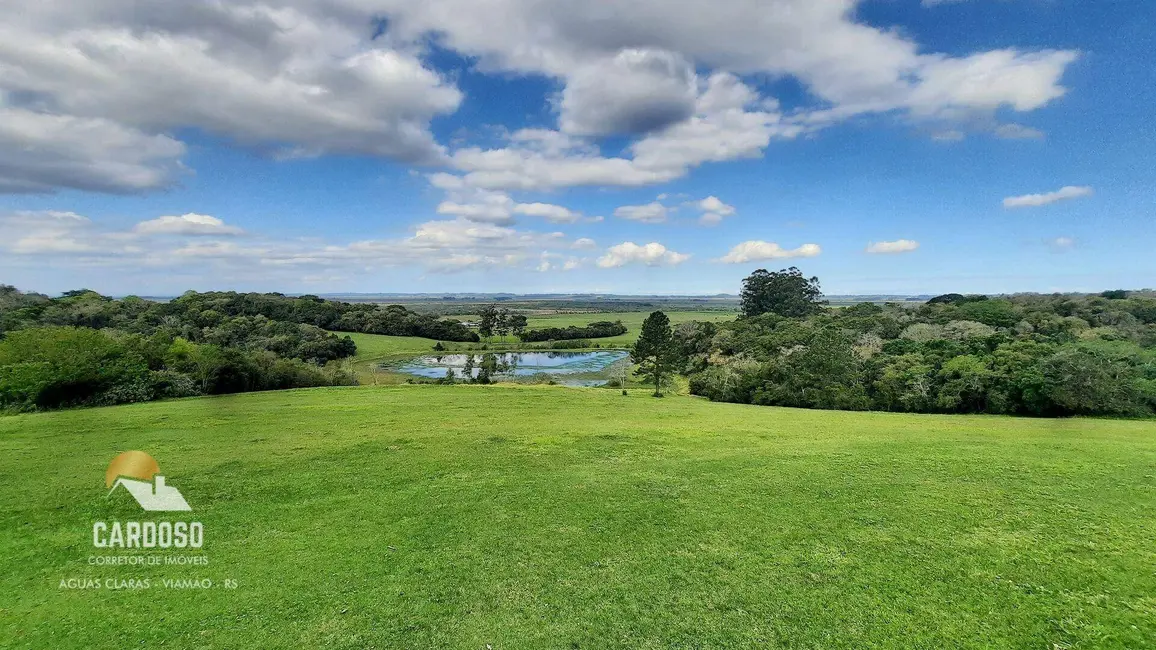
545	517
378	346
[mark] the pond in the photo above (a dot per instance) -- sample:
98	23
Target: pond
568	368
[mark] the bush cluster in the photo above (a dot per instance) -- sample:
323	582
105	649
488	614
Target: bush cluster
1041	355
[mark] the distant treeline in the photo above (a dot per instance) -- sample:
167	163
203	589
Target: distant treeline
601	329
1041	355
393	320
87	349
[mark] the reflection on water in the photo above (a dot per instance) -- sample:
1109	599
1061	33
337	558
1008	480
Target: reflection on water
594	367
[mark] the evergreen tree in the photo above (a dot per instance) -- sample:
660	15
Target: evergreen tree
654	351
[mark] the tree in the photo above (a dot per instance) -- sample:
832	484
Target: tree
786	293
487	368
655	351
488	321
518	324
502	324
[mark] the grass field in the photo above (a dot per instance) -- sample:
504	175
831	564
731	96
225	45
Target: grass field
544	517
632	320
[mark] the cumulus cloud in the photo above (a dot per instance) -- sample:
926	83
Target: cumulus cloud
636	91
1037	200
303	79
653	212
713	210
730	122
484	207
892	247
487	206
584	243
757	251
313	77
549	212
46	232
43	153
652	254
714	204
188	224
850	66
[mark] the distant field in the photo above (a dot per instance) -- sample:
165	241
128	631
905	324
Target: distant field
538	517
632	320
377	346
371	347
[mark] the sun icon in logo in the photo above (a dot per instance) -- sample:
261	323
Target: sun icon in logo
131	464
140	474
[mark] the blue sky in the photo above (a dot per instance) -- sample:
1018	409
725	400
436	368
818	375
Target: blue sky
887	146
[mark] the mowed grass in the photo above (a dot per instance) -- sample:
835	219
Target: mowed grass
379	346
545	517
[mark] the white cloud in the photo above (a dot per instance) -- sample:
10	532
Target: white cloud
43	153
549	212
584	243
756	251
848	64
188	224
730	122
636	91
714	204
310	77
892	247
1018	132
652	254
303	79
949	135
485	207
1037	200
45	232
714	210
74	241
654	212
1062	243
520	168
1022	81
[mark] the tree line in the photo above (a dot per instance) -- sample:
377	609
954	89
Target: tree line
597	330
493	319
1038	355
83	348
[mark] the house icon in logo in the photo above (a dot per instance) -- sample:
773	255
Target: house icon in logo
154	496
138	473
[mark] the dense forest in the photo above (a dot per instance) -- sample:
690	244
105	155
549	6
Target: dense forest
1039	355
87	349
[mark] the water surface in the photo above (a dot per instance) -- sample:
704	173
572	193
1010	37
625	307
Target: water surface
588	368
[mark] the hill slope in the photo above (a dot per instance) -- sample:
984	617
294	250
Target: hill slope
538	517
